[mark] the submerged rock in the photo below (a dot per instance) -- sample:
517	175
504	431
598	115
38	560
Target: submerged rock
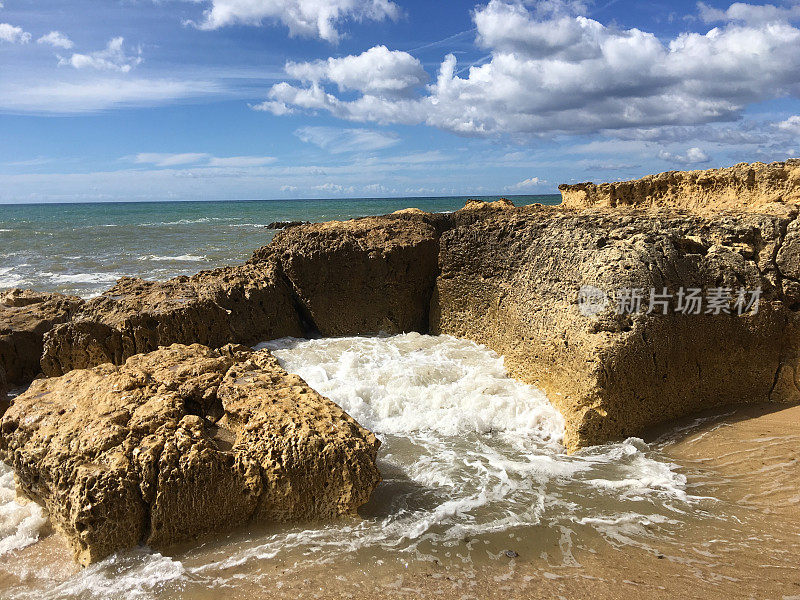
181	442
25	317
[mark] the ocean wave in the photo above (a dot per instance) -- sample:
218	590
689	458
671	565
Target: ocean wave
64	278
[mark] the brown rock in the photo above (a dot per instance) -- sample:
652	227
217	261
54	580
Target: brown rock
501	204
744	186
181	442
511	281
3	391
243	304
25	317
361	276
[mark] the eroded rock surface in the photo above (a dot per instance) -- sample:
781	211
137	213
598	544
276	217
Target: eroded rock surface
243	304
25	317
741	187
180	442
368	275
511	281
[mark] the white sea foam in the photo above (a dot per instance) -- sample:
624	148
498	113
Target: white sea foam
467	453
64	278
181	258
412	384
20	524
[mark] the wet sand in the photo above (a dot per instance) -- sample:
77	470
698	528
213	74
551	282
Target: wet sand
747	546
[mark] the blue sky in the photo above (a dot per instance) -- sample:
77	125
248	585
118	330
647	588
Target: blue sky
245	99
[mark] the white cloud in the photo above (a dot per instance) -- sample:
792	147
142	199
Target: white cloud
550	73
307	18
241	161
334	188
13	34
376	71
749	13
111	58
92	95
288	188
56	39
791	125
200	159
169	160
337	140
692	156
526	184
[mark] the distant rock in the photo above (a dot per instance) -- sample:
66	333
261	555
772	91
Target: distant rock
25	317
182	442
501	204
285	224
741	187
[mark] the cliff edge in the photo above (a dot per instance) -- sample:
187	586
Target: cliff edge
746	186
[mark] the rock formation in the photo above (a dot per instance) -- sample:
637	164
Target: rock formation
511	281
741	187
180	442
242	304
362	276
25	317
510	278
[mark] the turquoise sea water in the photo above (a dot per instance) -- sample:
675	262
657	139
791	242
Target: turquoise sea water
84	248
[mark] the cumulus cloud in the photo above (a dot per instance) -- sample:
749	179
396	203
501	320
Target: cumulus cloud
693	156
525	184
376	71
553	73
307	18
111	58
56	39
749	13
13	34
791	125
338	140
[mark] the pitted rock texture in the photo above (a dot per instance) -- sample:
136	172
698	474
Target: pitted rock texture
744	186
511	281
182	442
25	317
367	275
242	304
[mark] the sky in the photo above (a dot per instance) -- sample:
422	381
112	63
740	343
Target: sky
133	100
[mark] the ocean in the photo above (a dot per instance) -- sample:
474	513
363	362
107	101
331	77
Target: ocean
83	249
479	498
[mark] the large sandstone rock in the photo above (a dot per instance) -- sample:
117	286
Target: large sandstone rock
741	187
510	280
243	304
367	275
25	317
180	442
